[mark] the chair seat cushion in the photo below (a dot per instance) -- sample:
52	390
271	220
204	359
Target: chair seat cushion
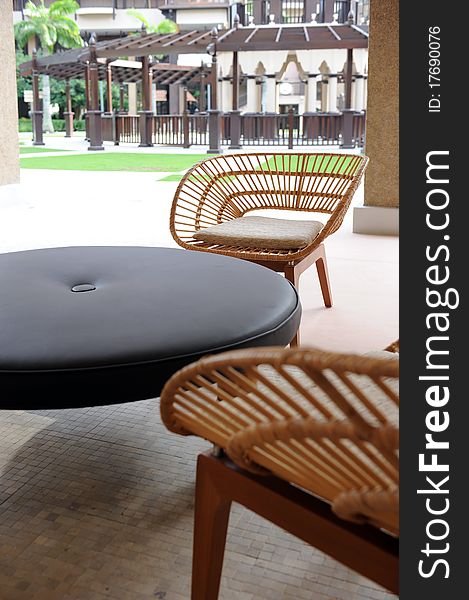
262	232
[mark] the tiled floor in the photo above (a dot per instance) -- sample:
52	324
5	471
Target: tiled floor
97	504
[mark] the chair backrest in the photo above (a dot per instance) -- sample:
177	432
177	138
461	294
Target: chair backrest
228	186
327	422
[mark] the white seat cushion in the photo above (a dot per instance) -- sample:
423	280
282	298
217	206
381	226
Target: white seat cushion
262	232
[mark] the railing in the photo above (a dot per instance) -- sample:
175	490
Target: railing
322	129
265	130
313	129
257	129
198	129
127	129
180	130
107	127
358	132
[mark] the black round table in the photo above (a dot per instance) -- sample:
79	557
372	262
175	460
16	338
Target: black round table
87	326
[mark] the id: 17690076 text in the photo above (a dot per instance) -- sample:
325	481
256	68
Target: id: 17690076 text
434	69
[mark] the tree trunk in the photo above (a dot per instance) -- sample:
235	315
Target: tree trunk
47	125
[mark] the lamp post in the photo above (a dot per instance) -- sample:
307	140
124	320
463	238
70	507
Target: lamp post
235	115
94	114
214	116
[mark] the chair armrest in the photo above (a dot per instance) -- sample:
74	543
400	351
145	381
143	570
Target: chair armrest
324	421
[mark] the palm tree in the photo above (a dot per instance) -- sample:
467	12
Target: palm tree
53	27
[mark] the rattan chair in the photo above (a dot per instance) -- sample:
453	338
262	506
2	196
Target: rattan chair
307	439
213	196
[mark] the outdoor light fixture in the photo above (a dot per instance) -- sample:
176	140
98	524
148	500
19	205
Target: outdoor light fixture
286	88
212	47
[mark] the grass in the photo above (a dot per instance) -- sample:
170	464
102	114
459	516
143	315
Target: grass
175	177
294	163
115	161
36	149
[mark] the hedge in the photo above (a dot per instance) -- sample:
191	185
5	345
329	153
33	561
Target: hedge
24	124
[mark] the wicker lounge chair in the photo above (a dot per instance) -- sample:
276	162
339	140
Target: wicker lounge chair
307	439
211	201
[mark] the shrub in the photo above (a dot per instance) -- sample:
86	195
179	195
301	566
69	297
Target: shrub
24	125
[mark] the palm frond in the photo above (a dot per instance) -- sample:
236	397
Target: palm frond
24	30
167	26
63	7
47	37
132	12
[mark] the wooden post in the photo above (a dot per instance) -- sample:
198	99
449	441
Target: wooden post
214	84
146	114
36	113
235	115
87	100
214	114
203	90
185	123
68	114
328	8
109	87
348	78
290	128
235	82
347	113
94	114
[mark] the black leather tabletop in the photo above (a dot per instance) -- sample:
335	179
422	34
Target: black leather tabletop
84	326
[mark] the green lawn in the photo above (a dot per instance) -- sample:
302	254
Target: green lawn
35	149
310	162
114	161
175	177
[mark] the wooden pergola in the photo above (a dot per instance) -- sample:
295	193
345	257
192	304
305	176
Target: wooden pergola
96	58
67	65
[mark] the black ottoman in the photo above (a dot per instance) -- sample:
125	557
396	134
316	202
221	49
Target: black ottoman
89	326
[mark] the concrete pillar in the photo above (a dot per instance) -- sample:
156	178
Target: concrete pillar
9	161
252	104
132	97
380	213
311	94
226	95
359	88
270	94
332	94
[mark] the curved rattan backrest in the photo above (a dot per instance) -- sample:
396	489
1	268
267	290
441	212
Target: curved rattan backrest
228	186
324	421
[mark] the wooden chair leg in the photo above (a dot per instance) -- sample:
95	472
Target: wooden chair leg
212	512
291	273
363	548
323	274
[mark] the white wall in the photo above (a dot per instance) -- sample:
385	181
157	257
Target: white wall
200	16
123	22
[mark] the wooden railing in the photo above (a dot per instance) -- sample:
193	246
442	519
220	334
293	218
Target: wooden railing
310	129
180	130
127	129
